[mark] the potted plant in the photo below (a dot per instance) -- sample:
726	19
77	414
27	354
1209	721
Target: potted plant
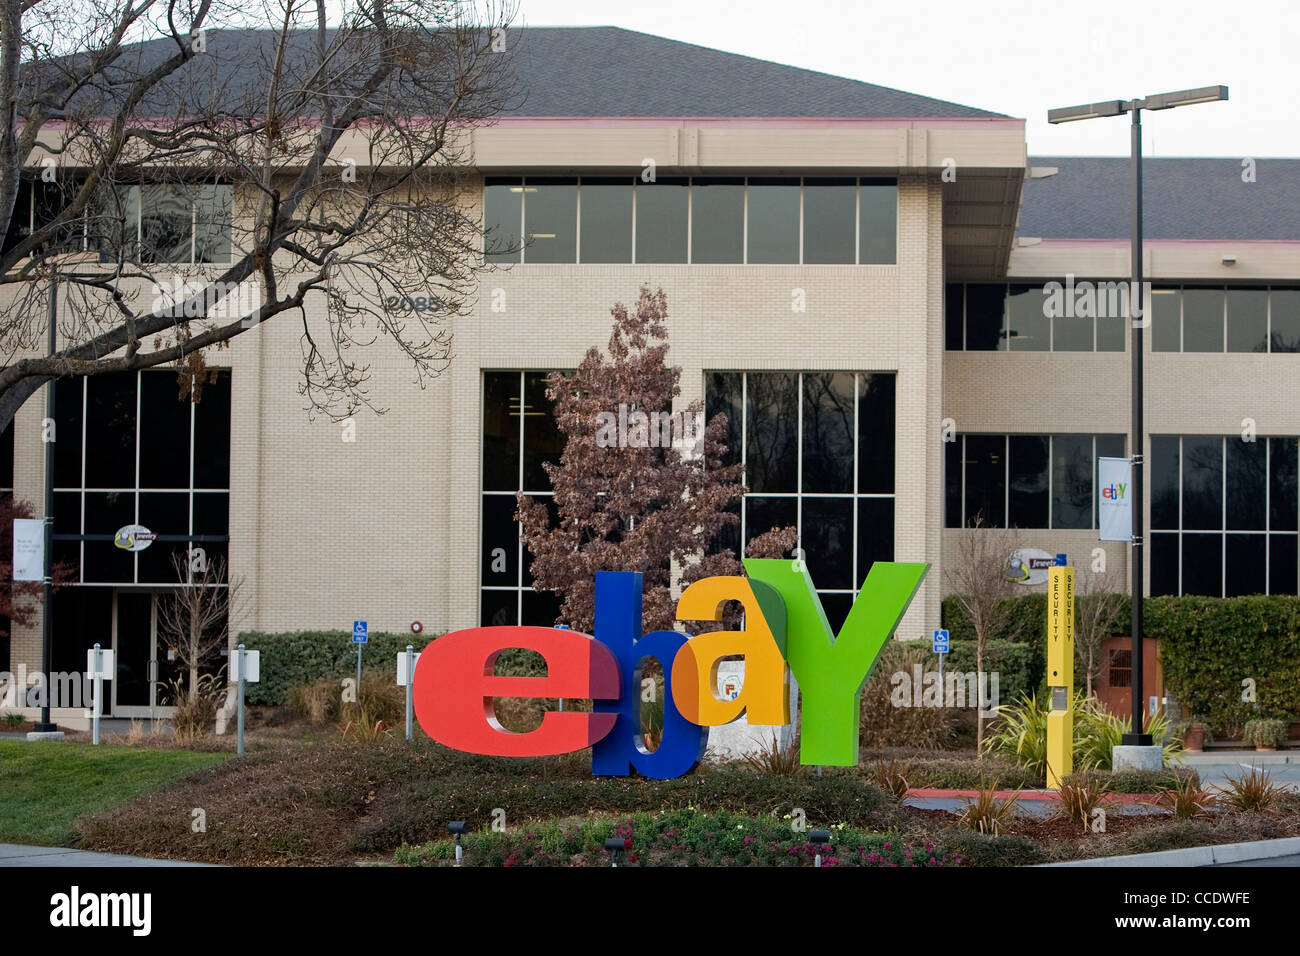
1195	734
1266	735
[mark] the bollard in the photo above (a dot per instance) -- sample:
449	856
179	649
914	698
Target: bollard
98	705
410	686
240	747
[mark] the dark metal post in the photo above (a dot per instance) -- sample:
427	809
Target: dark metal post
47	612
1137	309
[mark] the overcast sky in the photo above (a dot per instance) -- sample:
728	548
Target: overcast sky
1019	58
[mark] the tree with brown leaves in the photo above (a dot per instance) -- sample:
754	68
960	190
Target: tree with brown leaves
637	488
977	579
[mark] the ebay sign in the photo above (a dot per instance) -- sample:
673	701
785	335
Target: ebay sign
785	629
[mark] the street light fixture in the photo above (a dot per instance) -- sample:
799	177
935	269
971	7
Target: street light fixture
1069	114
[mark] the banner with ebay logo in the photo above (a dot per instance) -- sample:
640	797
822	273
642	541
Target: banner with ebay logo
784	625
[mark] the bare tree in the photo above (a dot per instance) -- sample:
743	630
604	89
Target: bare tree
1098	600
194	619
648	504
976	576
186	170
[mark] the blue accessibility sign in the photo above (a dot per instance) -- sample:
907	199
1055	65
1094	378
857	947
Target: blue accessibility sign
940	641
360	632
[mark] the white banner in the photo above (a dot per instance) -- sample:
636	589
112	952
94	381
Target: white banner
29	549
1115	498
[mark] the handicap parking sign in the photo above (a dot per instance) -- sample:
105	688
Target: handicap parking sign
940	641
359	632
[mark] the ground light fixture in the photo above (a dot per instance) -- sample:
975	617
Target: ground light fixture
1137	438
819	838
460	828
614	846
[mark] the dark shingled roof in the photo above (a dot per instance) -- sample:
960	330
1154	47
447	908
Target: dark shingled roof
1181	199
562	71
609	71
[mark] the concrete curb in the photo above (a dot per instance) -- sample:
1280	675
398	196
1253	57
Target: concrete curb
1220	757
1197	855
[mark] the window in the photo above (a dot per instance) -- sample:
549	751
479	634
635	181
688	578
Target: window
551	220
1024	481
828	224
878	218
718	220
700	220
1082	316
606	220
1217	319
818	449
129	452
1223	515
519	436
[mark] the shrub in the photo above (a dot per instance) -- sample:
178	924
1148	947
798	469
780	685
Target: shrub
965	773
891	777
1252	792
1208	644
685	837
771	757
318	702
1098	732
1080	796
985	813
1187	800
194	716
881	724
977	849
1265	733
1139	781
1020	734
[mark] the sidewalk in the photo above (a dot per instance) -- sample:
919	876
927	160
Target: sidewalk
13	854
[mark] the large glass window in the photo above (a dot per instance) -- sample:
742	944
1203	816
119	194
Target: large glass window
1074	316
1238	319
704	220
519	437
1223	515
819	455
1024	481
149	459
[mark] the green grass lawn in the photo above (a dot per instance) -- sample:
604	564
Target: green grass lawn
46	785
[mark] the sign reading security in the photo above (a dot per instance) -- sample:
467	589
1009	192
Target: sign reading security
784	623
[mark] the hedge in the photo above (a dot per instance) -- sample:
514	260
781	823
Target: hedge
1209	646
301	657
1020	666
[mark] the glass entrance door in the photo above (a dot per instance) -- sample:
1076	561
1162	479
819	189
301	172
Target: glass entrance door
137	691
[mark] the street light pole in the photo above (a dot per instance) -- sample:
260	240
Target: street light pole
1139	318
1137	737
47	611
